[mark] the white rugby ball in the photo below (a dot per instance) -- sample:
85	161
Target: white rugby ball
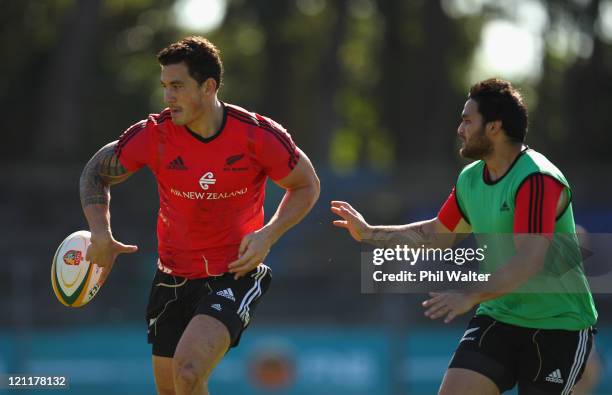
75	281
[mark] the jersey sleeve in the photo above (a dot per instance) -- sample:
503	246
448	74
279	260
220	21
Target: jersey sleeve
536	204
450	214
134	147
276	151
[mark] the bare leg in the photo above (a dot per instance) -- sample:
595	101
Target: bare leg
591	376
164	376
200	349
466	382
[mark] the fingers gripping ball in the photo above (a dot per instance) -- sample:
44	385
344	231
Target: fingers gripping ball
74	280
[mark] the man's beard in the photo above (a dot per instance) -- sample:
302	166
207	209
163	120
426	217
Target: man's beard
478	147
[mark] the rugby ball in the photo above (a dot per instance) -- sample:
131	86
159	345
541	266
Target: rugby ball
74	280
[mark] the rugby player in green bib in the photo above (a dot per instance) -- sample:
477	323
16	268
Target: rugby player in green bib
533	324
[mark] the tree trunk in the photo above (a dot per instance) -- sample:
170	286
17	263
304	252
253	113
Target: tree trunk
64	84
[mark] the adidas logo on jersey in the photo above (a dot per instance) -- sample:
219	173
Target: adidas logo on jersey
555	377
177	164
216	306
227	294
504	207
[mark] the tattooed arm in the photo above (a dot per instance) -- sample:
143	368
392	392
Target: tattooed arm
102	171
430	233
416	234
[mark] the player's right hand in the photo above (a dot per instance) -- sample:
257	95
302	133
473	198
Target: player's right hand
352	220
103	251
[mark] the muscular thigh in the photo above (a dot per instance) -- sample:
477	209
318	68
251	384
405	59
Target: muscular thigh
467	382
202	345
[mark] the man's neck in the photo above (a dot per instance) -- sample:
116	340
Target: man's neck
501	159
209	123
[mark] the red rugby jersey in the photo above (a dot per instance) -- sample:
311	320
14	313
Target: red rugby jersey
535	203
211	190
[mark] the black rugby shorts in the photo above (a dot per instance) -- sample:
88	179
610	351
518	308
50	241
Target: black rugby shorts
174	301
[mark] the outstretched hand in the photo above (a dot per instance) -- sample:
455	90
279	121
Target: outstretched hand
351	220
103	251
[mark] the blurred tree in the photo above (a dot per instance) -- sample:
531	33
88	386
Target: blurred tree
66	75
330	78
30	30
419	97
83	71
276	20
588	95
124	80
360	141
576	87
359	88
281	60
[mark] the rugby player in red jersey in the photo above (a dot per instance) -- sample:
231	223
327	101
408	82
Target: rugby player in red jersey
211	161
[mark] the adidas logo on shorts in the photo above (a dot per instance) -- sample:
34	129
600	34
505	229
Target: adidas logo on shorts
227	293
555	377
216	306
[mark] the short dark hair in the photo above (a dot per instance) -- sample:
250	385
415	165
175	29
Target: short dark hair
202	58
498	100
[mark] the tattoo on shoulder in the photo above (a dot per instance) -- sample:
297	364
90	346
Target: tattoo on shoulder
102	171
109	166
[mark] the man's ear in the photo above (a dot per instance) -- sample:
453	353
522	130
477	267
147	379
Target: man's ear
209	86
494	127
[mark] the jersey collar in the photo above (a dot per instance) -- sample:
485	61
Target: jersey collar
207	140
485	173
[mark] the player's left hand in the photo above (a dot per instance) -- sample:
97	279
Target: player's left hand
448	305
253	250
